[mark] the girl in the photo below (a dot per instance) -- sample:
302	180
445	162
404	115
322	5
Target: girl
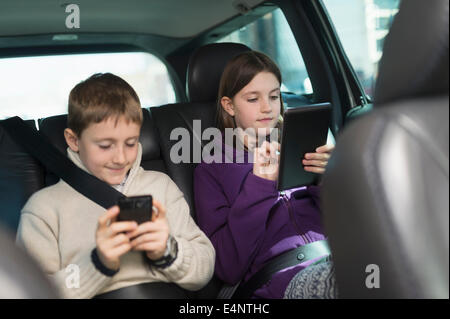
238	206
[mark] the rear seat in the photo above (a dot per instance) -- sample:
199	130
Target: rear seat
20	177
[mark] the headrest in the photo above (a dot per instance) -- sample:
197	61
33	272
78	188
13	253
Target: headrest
53	127
205	68
415	53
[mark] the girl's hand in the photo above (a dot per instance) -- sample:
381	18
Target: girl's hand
110	238
316	162
266	160
152	236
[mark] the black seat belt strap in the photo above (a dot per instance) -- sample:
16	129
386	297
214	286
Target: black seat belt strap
38	146
288	259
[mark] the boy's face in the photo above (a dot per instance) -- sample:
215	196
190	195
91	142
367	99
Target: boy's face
107	149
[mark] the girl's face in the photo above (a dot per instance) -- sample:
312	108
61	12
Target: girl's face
257	105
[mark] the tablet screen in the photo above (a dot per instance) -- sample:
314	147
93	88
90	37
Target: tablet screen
304	129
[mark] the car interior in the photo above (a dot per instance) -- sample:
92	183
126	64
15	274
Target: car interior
387	181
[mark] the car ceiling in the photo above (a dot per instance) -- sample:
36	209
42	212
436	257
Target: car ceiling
167	18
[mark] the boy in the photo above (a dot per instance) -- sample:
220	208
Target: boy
61	228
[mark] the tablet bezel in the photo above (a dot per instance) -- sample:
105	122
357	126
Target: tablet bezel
299	116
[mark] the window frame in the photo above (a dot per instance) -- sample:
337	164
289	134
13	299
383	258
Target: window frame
320	45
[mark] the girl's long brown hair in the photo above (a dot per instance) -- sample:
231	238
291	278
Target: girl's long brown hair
238	72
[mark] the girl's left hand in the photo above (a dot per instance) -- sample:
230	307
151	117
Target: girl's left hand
152	236
316	162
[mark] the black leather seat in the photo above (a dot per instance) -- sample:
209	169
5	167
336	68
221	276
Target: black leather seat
20	177
385	193
204	71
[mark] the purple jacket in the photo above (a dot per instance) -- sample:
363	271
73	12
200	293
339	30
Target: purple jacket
248	220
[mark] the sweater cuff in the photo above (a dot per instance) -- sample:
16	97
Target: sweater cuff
100	266
180	266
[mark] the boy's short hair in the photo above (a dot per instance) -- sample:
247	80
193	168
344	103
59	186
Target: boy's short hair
101	96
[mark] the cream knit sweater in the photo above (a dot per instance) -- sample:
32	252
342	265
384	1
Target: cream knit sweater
58	224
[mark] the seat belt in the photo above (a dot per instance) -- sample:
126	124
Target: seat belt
147	290
227	291
38	146
287	259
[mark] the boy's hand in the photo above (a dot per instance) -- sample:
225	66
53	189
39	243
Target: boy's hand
152	236
110	238
266	160
316	162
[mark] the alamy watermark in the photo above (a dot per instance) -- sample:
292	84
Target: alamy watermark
73	277
73	19
230	146
373	279
238	140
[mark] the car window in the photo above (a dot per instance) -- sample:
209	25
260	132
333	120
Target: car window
272	35
362	27
36	87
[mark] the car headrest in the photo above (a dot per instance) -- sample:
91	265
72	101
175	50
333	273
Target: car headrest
205	68
53	127
415	54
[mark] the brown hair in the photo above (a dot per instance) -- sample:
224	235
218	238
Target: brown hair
238	72
100	97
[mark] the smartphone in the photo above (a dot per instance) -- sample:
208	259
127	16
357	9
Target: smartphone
135	208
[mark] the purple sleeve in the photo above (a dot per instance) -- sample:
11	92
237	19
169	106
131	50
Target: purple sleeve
235	229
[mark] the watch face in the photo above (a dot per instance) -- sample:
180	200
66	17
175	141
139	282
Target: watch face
172	247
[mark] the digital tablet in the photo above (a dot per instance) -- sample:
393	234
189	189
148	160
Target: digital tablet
304	129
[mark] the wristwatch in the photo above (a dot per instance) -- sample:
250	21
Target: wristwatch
169	256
